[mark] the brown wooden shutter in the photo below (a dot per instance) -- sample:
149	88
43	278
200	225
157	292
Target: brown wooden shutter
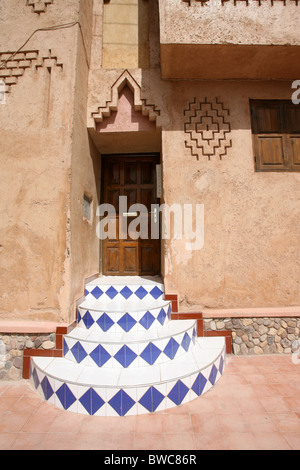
268	135
276	135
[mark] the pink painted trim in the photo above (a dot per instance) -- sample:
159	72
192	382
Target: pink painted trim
26	327
252	312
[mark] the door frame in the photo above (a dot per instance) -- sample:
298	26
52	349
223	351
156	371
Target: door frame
104	158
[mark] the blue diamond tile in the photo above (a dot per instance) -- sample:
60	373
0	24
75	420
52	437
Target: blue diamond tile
151	353
162	316
78	352
97	292
47	389
111	292
147	320
186	341
127	322
194	336
125	356
78	316
126	292
91	401
105	322
178	392
151	399
65	347
199	384
171	348
86	292
169	311
156	292
213	375
65	396
100	356
141	292
121	403
221	365
35	378
88	320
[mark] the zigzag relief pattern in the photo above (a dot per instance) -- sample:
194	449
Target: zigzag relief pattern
13	65
207	128
140	104
246	2
39	6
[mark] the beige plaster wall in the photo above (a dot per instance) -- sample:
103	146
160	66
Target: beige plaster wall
37	125
227	23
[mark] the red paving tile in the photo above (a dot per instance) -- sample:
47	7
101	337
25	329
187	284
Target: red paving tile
255	405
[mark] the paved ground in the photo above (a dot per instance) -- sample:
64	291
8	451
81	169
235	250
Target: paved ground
255	405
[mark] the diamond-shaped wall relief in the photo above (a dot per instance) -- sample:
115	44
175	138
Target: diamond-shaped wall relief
207	128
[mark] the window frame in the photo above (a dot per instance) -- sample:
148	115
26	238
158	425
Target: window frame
286	136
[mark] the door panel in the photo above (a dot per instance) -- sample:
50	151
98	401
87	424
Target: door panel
135	178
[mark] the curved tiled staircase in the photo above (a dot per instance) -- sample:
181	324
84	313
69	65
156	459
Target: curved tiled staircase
126	356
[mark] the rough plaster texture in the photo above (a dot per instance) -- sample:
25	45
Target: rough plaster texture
40	142
215	23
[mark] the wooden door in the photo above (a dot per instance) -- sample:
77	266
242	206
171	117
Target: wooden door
135	178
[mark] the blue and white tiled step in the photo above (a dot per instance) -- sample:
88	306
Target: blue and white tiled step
127	356
123	392
133	349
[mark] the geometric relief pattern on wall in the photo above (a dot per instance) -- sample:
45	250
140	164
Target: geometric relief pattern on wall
246	2
207	128
39	6
13	65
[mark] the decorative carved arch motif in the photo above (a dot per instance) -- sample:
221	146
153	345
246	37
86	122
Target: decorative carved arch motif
140	104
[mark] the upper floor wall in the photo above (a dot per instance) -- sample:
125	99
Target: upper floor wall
224	39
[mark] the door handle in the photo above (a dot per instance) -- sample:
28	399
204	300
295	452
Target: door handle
130	214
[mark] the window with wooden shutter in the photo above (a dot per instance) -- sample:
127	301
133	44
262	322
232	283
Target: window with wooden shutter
276	135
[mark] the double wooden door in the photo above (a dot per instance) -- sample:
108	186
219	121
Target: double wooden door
131	250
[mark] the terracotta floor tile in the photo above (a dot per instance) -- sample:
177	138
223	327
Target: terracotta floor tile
205	423
7	440
263	390
286	422
293	439
180	441
275	404
270	441
65	422
241	441
26	404
58	441
151	441
211	441
293	403
13	422
173	424
149	424
28	441
202	405
232	423
84	441
6	403
117	441
259	422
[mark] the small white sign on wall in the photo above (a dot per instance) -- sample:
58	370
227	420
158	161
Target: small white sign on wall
158	181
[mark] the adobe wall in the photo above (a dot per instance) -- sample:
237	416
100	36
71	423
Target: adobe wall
36	146
229	22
